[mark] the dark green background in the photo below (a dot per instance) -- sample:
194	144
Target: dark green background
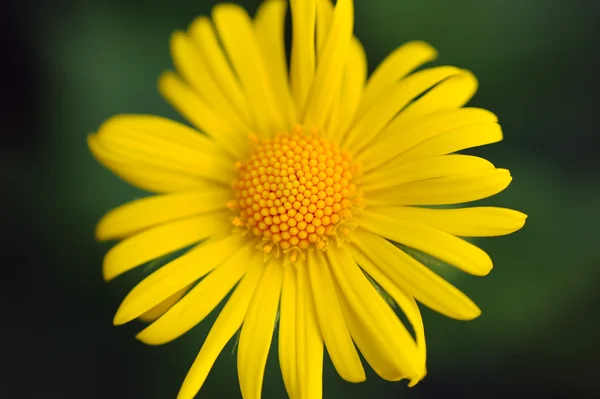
66	66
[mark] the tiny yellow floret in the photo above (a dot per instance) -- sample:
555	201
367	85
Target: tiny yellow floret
295	190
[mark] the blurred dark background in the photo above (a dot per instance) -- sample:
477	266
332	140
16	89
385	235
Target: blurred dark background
68	65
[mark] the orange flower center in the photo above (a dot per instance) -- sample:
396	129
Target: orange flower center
295	190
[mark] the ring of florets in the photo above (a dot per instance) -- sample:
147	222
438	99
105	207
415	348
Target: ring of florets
295	191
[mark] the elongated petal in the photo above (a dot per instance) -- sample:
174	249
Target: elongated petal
454	140
330	65
381	337
269	25
302	68
287	332
423	169
436	243
159	241
174	276
406	303
257	331
393	142
465	222
160	309
191	64
411	276
324	17
333	327
309	342
371	350
455	189
189	104
150	142
396	98
452	93
229	321
201	299
396	66
147	212
159	130
239	40
205	38
146	177
355	74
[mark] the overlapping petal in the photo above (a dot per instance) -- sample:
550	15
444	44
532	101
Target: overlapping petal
197	303
411	276
228	322
257	331
436	243
333	326
377	331
175	276
160	241
141	214
139	145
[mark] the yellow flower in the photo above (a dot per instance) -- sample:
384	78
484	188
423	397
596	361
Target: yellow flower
292	191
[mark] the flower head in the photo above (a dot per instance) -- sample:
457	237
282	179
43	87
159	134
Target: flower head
291	191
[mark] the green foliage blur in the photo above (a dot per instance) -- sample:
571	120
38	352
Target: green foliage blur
88	60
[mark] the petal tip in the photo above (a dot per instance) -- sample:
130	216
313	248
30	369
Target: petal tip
470	312
424	47
165	81
143	337
106	275
119	319
108	272
101	232
176	36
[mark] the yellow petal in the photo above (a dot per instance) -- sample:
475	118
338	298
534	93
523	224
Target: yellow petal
466	222
454	140
205	38
454	189
309	341
346	104
396	66
146	178
371	350
257	331
411	276
161	308
269	25
147	212
452	93
189	104
422	169
393	143
199	302
159	241
330	65
395	99
229	321
239	40
333	327
287	332
154	143
406	303
324	17
302	67
156	129
191	64
379	334
436	243
174	276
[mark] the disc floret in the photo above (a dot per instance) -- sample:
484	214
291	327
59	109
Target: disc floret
295	191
